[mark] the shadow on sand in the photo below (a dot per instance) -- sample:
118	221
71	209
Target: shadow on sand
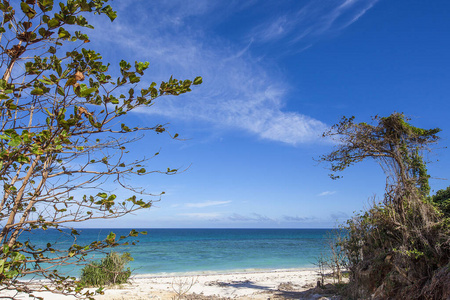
284	291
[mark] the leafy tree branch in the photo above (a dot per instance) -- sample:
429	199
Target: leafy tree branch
64	134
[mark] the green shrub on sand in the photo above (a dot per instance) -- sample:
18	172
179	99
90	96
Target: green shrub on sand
109	271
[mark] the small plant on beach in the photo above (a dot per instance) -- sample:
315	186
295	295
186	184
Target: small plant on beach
321	262
181	286
109	271
335	260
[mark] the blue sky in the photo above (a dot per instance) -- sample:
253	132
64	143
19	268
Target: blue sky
276	74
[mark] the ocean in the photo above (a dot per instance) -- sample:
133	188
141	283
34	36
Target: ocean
167	251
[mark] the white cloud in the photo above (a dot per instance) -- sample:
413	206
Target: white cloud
311	21
202	216
207	204
297	219
240	91
253	218
339	215
326	193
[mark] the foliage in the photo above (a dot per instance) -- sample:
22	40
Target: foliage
442	201
64	137
109	271
398	247
392	142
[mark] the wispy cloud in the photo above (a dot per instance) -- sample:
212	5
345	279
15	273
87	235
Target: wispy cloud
297	219
326	193
207	204
252	218
240	91
310	21
202	216
338	215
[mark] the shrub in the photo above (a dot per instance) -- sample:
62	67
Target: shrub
109	271
391	258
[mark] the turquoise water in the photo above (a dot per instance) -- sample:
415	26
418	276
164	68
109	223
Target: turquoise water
206	250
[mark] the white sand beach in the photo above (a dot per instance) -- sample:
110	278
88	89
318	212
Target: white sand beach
277	284
281	284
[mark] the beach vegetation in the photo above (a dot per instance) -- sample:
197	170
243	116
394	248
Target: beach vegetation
334	260
337	260
64	139
108	271
441	200
400	247
181	286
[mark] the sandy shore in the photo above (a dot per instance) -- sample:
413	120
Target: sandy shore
280	284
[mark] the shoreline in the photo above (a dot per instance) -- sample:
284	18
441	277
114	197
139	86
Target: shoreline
219	272
296	283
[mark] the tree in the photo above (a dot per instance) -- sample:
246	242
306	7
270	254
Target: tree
395	144
399	248
63	134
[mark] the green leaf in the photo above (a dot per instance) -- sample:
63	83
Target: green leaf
37	92
63	34
42	31
18	257
52	23
44	81
60	91
27	10
45	5
111	237
198	80
87	91
15	141
134	78
71	81
109	12
23	159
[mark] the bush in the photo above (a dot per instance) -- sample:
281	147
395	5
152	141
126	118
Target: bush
109	271
391	258
442	201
